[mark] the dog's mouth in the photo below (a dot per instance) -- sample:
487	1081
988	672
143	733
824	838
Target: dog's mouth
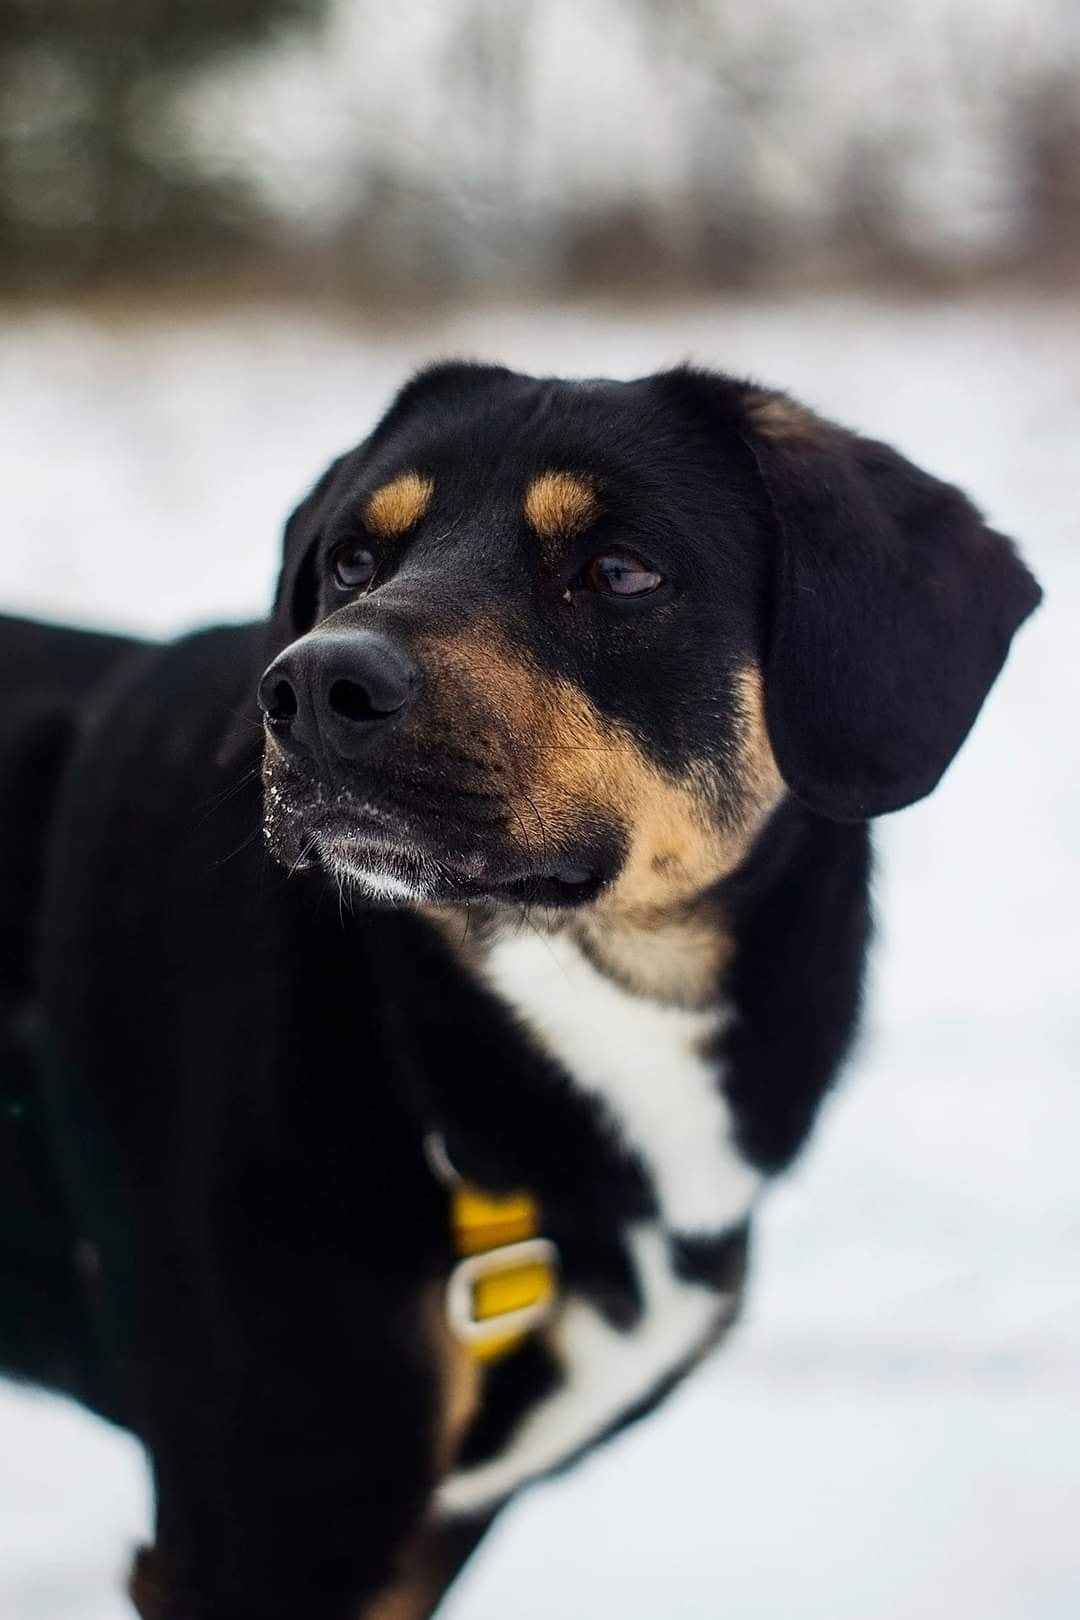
394	860
396	872
423	846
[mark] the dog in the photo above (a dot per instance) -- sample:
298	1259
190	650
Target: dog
370	1182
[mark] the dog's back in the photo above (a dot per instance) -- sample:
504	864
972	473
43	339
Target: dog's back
48	678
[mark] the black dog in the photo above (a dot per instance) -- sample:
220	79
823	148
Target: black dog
365	1198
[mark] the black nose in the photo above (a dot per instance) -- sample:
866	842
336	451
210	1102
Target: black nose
336	690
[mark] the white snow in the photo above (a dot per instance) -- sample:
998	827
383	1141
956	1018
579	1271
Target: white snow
895	1431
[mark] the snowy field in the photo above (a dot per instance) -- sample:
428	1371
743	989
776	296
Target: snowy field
895	1432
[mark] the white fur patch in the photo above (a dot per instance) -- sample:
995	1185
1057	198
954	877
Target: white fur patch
378	885
398	878
643	1062
607	1373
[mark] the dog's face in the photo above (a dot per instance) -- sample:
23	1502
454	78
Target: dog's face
569	643
532	672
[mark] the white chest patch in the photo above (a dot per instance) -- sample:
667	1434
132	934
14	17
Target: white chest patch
606	1374
644	1062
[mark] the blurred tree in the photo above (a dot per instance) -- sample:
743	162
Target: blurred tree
88	179
1050	143
432	147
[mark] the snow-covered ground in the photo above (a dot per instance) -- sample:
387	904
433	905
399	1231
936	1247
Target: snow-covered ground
895	1432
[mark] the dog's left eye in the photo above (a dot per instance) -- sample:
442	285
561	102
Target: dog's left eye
620	573
352	565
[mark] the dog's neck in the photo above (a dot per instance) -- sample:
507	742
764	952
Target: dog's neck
679	958
676	956
654	940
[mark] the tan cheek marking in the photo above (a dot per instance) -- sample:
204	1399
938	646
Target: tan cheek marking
763	783
560	761
559	505
476	673
651	932
685	833
783	420
396	506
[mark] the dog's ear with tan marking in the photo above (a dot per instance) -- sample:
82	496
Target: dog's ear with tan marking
893	608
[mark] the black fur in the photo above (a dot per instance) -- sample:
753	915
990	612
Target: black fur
866	722
220	1227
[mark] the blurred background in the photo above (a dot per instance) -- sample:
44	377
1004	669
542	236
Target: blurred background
227	231
430	150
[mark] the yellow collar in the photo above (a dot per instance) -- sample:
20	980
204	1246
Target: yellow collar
505	1283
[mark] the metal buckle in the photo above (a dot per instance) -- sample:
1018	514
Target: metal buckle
460	1296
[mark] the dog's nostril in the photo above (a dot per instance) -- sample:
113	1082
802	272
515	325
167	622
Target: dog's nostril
280	704
354	702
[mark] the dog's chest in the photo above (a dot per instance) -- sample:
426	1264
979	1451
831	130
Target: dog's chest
649	1068
658	1092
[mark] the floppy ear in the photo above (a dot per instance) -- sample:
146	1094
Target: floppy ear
893	609
295	599
294	605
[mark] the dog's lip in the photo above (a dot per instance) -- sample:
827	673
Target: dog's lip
463	853
474	873
411	804
477	865
356	820
560	884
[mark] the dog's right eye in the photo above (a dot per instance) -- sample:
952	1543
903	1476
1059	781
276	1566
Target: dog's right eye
620	573
352	565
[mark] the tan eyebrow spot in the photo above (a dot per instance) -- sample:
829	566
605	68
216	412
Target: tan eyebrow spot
560	504
396	506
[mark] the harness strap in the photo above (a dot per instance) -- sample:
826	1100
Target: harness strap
505	1283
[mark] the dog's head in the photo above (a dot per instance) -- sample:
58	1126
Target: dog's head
552	641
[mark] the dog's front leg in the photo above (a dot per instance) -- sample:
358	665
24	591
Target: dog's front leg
341	1555
295	1456
426	1566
